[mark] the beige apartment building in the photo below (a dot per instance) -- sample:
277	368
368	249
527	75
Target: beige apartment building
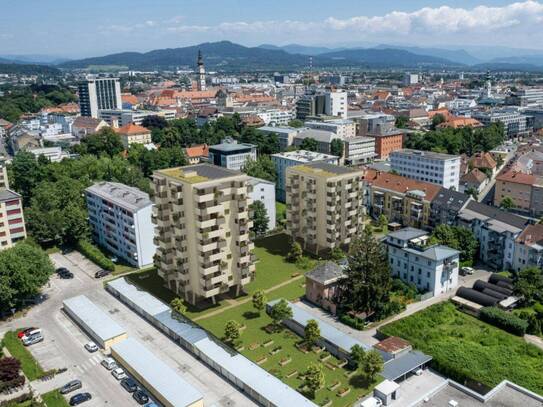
202	224
324	205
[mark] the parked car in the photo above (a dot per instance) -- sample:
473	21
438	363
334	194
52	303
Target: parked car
118	373
371	402
467	271
63	272
91	347
31	340
25	332
109	363
140	396
151	404
79	398
102	273
70	386
129	384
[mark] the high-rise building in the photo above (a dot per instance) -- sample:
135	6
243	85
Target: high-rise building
201	72
324	205
330	103
410	78
99	93
202	230
12	222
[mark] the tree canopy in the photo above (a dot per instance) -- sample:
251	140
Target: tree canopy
260	218
459	238
263	168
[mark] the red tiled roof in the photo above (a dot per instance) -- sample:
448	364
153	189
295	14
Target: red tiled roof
197	151
531	234
400	184
474	176
132	129
483	160
129	98
516	178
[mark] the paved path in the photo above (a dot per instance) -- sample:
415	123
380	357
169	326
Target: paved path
534	340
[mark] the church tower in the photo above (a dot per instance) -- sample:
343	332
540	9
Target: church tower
201	72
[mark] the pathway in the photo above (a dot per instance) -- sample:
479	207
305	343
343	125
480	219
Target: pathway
534	340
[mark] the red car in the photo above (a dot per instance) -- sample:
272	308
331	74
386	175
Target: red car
22	333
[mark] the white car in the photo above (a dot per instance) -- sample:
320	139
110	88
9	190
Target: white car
91	347
109	363
467	271
118	373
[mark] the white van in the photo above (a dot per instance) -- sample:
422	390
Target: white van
371	402
109	363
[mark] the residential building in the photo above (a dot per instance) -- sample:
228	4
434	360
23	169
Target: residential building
53	154
445	206
517	186
515	124
12	222
324	205
375	124
410	78
432	268
284	134
323	139
344	128
388	142
202	230
529	248
4	181
231	154
134	134
120	118
474	181
85	126
336	104
427	166
322	285
197	154
484	162
359	150
495	230
99	93
120	219
264	191
330	103
288	159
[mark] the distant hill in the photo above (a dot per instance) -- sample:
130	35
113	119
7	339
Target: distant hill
7	67
301	49
37	59
534	60
457	55
228	56
508	66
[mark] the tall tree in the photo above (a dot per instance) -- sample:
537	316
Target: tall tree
263	168
259	300
280	311
105	142
232	331
309	144
295	252
529	285
154	122
312	332
25	174
314	379
358	355
459	238
296	123
336	147
372	364
507	203
260	218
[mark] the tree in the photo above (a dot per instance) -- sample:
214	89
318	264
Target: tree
367	283
507	203
383	223
372	364
9	369
337	254
154	122
295	254
402	122
263	168
178	305
280	311
358	355
472	192
313	379
336	147
231	331
296	123
437	120
309	144
24	269
529	285
312	332
459	238
260	218
259	300
106	142
25	174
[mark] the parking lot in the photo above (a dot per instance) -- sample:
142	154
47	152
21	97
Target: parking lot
64	342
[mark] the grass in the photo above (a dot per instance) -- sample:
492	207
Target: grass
54	399
469	350
29	365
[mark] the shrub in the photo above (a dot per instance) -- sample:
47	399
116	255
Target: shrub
95	255
353	322
504	320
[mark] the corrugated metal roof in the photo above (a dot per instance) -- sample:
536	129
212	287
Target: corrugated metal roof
97	320
395	368
157	374
141	298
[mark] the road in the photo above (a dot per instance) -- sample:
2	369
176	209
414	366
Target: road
63	344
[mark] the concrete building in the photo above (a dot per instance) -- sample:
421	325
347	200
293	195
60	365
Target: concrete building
515	124
336	104
521	188
374	123
432	268
134	134
120	118
4	181
202	230
344	128
53	154
99	93
264	191
427	166
387	142
284	134
330	103
231	154
526	97
12	222
529	248
322	285
445	206
323	138
359	150
284	160
410	78
120	218
324	205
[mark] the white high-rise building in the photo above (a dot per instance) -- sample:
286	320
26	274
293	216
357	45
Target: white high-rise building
99	93
336	104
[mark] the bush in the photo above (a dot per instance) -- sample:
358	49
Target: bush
353	322
388	309
504	320
95	255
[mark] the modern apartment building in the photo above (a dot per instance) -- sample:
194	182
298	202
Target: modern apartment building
529	248
99	93
330	103
285	160
323	138
4	182
344	128
264	191
445	206
202	230
120	218
12	222
526	97
119	118
427	166
231	154
324	205
432	268
285	134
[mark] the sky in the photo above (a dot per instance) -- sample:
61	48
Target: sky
81	28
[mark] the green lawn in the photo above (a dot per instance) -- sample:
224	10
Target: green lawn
29	365
54	399
465	348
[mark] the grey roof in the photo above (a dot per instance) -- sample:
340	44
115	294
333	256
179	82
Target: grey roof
94	318
160	377
435	253
328	332
335	169
255	181
210	171
407	233
226	147
7	194
322	136
488	213
146	302
279	129
453	199
396	368
120	194
325	272
430	155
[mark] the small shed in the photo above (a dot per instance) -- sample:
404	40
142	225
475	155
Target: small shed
386	391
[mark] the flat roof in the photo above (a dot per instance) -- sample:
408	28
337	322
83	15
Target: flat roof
231	146
321	168
194	174
396	368
161	377
123	195
304	156
94	318
424	154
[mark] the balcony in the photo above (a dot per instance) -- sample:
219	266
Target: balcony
204	198
210	268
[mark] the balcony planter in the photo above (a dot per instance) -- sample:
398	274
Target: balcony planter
268	343
261	360
343	391
292	374
254	345
285	360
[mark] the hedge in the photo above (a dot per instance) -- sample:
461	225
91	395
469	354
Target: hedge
504	320
353	322
95	255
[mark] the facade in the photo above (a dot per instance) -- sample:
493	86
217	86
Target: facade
432	268
99	93
437	168
324	205
264	191
529	248
283	161
359	150
85	126
120	218
322	285
336	104
119	118
410	79
387	142
445	206
517	186
134	134
202	230
4	182
330	103
475	181
374	124
322	137
527	97
232	155
515	124
284	134
197	154
344	128
12	222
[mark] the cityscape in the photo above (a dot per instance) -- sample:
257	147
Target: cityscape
269	206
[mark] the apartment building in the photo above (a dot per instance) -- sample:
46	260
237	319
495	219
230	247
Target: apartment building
4	182
134	134
386	143
432	268
99	93
120	219
264	191
359	150
324	205
515	124
12	223
427	166
529	248
231	154
344	128
122	117
526	97
323	138
202	230
526	191
330	103
288	159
